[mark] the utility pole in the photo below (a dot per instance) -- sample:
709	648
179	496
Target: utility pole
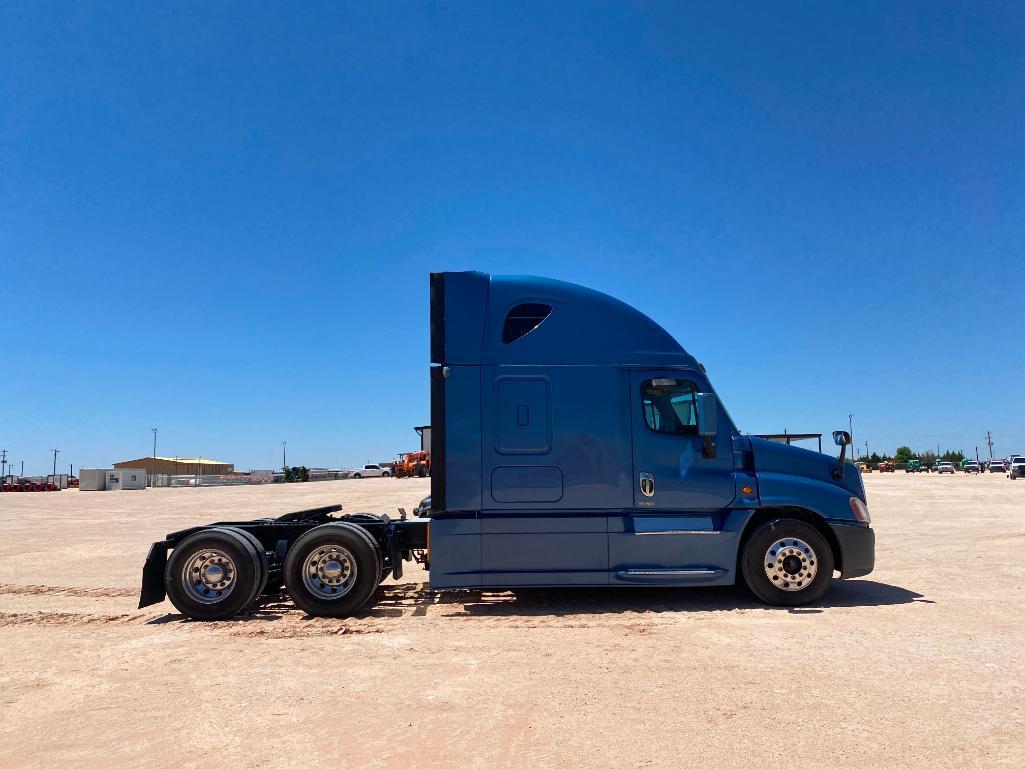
284	461
976	453
55	453
154	472
989	440
3	465
850	426
866	449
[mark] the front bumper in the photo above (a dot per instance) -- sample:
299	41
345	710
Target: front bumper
857	549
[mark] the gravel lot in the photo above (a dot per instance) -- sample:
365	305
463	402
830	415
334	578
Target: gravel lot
919	664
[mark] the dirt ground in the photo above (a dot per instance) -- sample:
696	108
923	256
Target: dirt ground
918	665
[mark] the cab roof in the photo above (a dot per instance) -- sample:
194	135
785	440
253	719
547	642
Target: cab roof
523	320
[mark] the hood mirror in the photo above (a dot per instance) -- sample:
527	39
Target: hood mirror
843	440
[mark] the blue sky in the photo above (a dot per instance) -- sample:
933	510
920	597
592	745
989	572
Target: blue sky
218	219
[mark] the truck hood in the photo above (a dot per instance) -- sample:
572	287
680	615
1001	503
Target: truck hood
772	457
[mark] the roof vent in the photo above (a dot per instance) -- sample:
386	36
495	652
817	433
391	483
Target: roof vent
522	319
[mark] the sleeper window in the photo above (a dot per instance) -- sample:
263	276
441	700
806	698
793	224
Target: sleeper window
669	406
522	319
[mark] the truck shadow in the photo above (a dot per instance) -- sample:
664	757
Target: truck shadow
416	599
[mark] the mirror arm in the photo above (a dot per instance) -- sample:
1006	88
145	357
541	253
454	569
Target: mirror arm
708	448
838	470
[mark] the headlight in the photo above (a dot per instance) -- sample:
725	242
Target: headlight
860	510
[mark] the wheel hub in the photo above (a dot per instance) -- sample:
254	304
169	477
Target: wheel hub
329	572
791	564
209	576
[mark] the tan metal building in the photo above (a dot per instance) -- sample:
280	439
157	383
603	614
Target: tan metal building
177	466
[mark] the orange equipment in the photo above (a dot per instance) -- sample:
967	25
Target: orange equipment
413	465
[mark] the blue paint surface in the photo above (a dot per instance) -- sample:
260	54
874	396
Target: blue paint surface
543	443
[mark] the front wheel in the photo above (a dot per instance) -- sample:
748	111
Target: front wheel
787	562
385	474
332	570
356	475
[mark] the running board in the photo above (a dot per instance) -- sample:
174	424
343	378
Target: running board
667	575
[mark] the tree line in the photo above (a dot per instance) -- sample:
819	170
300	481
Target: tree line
904	454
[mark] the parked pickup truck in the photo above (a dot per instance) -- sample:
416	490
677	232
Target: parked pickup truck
913	466
944	467
971	467
370	471
574	443
1016	469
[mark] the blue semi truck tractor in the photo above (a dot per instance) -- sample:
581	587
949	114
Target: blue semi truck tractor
575	443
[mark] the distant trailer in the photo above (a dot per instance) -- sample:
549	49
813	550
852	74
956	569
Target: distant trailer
126	479
94	479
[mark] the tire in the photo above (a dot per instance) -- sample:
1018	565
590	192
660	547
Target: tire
421	471
261	582
356	475
221	551
347	554
385	474
804	541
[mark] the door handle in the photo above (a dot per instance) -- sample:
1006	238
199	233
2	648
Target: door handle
647	484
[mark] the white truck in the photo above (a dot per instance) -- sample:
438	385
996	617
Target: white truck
1016	469
370	471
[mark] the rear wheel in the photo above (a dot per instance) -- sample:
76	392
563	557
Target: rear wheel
332	570
787	562
214	574
264	573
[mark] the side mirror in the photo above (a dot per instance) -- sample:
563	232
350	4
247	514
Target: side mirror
841	438
708	422
708	414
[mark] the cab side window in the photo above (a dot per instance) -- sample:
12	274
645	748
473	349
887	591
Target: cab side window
669	406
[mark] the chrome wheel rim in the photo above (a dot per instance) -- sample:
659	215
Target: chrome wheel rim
329	572
791	564
209	576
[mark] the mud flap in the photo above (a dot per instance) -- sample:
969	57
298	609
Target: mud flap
153	575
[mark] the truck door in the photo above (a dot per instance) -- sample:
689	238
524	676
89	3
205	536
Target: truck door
680	491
